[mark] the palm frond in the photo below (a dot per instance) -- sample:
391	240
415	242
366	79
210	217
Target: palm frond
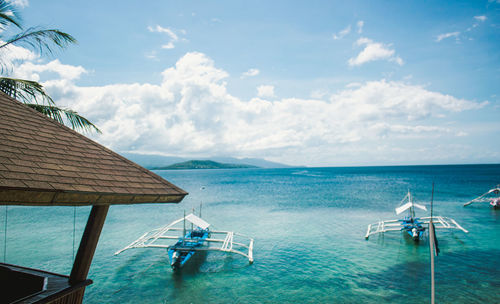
77	121
41	40
29	91
8	14
24	90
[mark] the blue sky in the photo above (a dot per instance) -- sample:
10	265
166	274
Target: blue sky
319	83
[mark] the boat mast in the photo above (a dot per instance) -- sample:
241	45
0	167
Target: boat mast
412	210
192	224
184	229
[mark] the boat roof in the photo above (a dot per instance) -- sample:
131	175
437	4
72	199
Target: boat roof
197	221
407	206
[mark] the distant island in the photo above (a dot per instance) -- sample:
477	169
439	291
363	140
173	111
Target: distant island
202	164
152	161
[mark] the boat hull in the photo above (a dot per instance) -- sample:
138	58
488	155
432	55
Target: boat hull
184	250
414	228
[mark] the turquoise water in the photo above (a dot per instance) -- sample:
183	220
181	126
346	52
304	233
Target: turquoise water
308	225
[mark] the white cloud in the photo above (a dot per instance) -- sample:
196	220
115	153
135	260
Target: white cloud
342	33
29	70
353	85
19	3
250	73
12	55
174	38
447	35
318	94
374	51
360	26
265	91
169	45
480	18
191	113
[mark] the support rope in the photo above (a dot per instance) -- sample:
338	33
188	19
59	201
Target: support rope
74	230
5	236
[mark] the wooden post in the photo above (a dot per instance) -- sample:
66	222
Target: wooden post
432	243
88	244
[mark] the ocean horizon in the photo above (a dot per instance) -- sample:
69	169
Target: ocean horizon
308	224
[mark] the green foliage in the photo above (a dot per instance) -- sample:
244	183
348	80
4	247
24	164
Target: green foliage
40	40
28	91
31	92
203	164
8	15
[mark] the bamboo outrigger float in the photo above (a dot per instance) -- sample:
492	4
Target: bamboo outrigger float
190	241
413	226
492	197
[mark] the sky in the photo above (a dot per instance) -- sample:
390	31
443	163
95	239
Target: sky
314	83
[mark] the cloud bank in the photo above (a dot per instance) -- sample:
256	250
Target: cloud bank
191	113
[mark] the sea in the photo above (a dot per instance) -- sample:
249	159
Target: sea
308	225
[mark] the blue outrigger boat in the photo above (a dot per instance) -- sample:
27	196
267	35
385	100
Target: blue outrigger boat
188	245
189	241
411	225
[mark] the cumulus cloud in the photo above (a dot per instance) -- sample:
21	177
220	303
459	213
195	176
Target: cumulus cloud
480	18
374	51
265	91
13	55
250	73
30	70
191	113
342	33
447	35
174	38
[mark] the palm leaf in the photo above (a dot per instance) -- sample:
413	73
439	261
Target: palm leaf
77	121
40	40
8	14
24	90
29	91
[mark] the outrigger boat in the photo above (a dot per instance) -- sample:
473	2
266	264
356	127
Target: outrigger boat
413	226
492	196
191	241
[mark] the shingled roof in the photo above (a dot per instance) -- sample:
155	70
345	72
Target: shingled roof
45	163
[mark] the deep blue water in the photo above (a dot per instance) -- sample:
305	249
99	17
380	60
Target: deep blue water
308	225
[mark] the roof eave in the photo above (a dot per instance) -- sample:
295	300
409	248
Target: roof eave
66	198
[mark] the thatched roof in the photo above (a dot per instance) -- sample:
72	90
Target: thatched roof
45	163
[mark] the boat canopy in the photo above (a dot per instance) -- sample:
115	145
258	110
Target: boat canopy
407	206
197	221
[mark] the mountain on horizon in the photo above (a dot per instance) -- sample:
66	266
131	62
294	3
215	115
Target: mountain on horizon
202	164
154	160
